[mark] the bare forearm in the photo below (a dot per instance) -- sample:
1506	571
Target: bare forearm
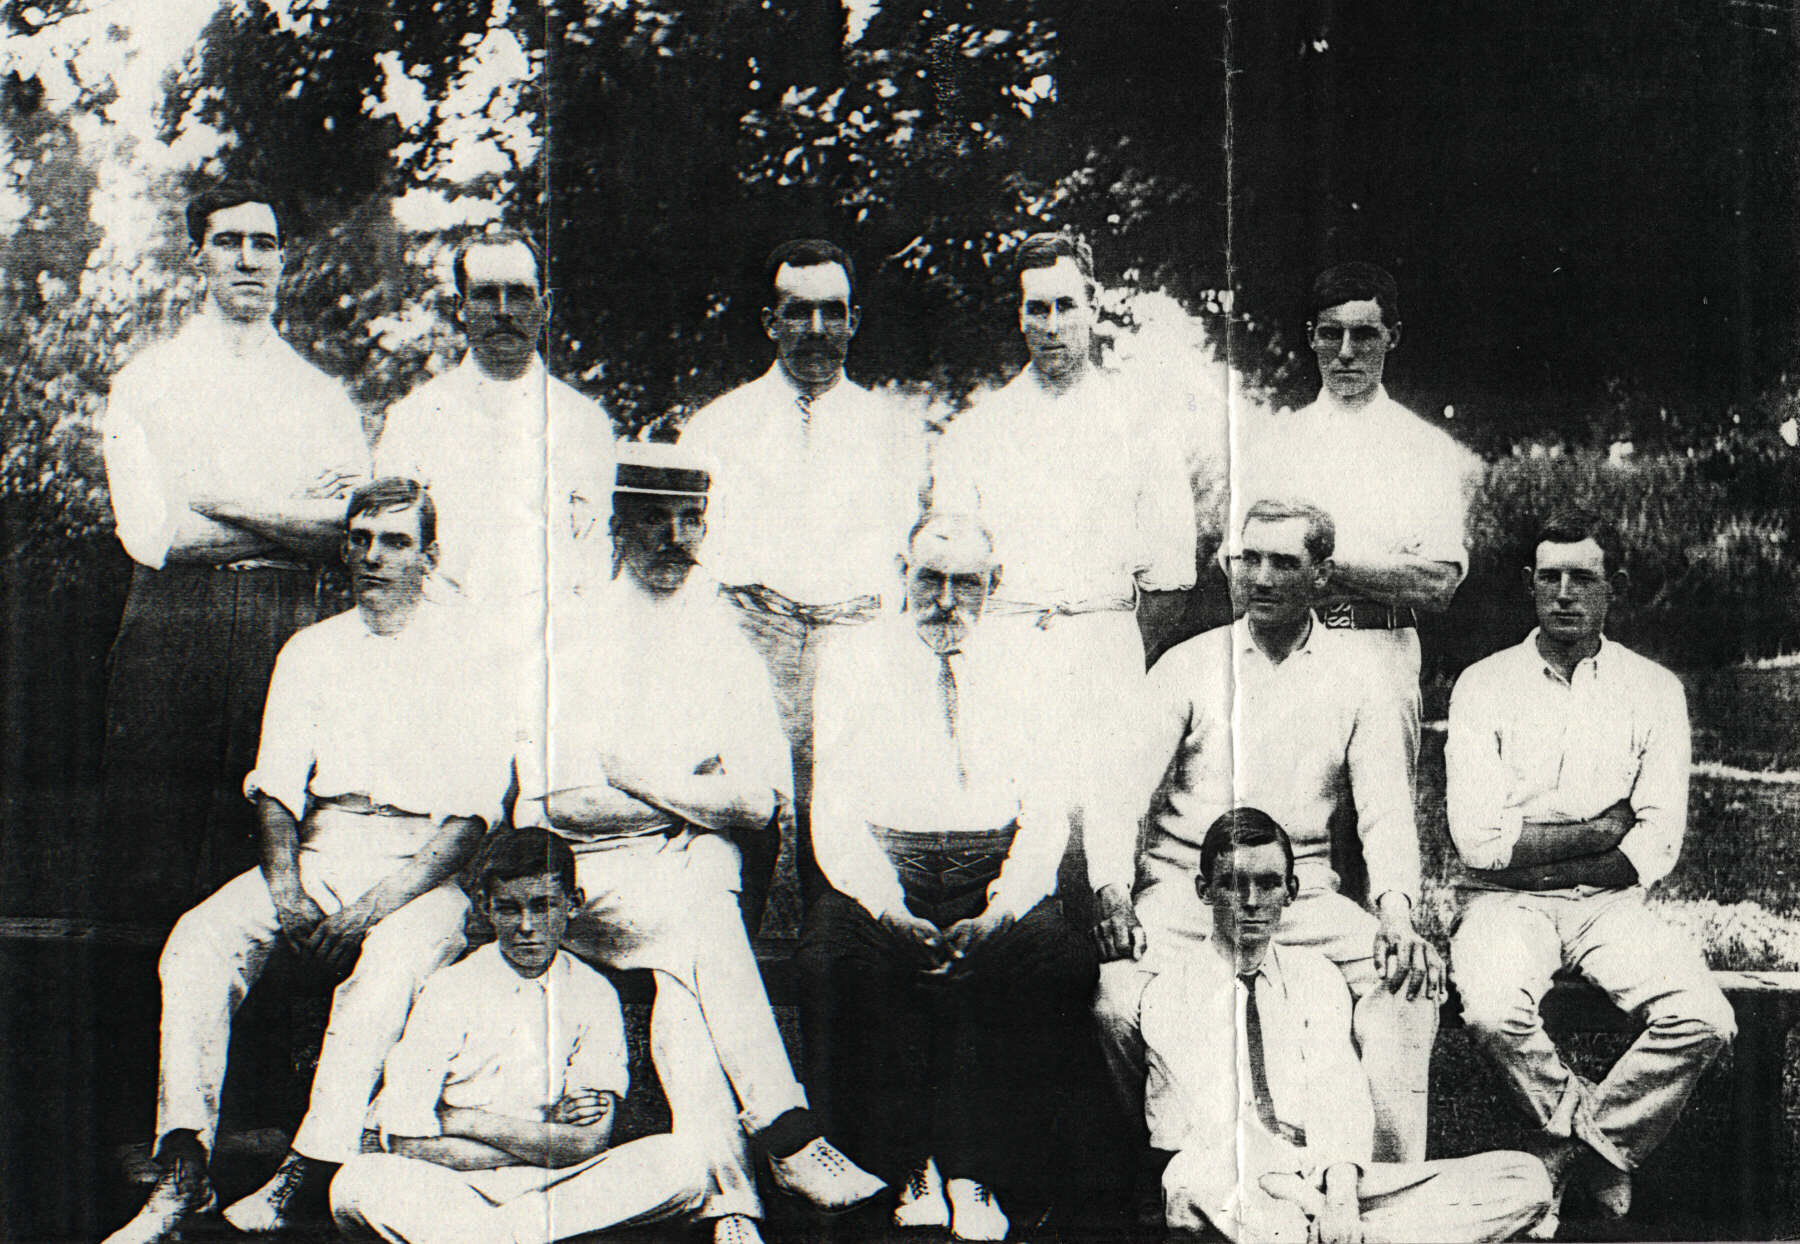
199	540
458	1153
313	526
448	850
716	800
550	1145
1550	842
1397	579
1609	869
278	843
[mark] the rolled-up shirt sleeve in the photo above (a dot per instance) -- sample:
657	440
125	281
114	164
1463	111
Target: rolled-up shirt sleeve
286	754
1659	798
144	513
1383	794
1029	875
1484	823
413	1078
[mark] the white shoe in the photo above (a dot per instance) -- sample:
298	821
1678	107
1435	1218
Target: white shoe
182	1192
736	1229
922	1201
825	1177
267	1208
974	1213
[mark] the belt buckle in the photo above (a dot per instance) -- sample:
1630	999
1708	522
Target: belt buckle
1339	616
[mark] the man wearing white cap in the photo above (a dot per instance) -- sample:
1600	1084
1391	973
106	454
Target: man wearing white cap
662	738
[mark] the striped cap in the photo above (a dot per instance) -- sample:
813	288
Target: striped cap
656	468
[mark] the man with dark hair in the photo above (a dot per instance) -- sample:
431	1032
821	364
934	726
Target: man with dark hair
816	480
378	771
1567	794
1275	710
942	989
1400	543
1092	522
228	456
497	1106
1255	1085
519	462
663	746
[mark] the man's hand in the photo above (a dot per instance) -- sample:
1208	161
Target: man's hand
1116	930
299	917
339	937
919	939
1402	957
582	1108
967	937
332	483
1340	1217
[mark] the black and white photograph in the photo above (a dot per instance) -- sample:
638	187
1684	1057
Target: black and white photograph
899	621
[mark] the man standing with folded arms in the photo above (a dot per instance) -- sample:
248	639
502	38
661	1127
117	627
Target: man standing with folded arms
1567	794
380	766
229	457
817	481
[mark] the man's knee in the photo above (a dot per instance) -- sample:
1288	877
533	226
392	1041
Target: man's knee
1119	999
1703	1016
358	1186
1385	1014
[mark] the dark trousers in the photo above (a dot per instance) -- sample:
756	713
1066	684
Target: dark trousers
981	1071
187	678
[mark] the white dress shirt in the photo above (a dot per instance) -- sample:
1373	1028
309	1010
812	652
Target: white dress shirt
1224	726
1199	1096
884	758
1391	482
1525	745
663	683
521	472
188	417
483	1037
406	720
1078	500
814	505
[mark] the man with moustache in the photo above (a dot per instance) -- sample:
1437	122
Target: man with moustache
663	746
379	770
1255	1085
228	456
817	479
1567	794
1092	526
1276	711
942	988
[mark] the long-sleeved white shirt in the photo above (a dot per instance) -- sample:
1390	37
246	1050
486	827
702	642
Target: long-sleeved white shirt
188	416
664	684
407	720
815	506
1223	726
521	472
1199	1096
883	757
1079	502
1526	746
483	1037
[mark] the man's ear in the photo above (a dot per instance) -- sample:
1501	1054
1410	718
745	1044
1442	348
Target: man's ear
431	555
1322	574
577	900
1525	577
1618	581
994	577
855	319
768	322
1394	335
1293	885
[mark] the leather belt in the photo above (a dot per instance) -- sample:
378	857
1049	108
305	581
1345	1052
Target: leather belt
838	613
1367	615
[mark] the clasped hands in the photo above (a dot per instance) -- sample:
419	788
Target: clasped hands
948	953
334	940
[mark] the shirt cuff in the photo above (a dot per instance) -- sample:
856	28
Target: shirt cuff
396	1121
255	784
1646	854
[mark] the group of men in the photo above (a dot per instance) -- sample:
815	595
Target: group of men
596	680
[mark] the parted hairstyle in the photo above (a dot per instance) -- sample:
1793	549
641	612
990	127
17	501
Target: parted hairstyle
1321	532
809	253
459	267
523	852
1042	250
232	192
1572	525
1242	827
394	492
1356	282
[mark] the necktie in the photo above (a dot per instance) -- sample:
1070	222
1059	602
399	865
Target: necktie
804	401
947	694
1259	1070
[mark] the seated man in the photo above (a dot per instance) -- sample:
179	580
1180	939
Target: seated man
1256	1086
942	987
664	738
373	784
1567	791
1279	711
497	1106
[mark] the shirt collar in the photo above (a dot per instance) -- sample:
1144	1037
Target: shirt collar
1598	663
1244	643
209	326
791	392
502	979
1329	403
490	393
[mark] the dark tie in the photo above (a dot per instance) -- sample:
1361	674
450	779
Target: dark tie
1259	1071
804	401
947	694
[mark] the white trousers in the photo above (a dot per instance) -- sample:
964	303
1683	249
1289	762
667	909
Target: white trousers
217	951
1393	1035
1505	948
669	904
382	1196
1486	1196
